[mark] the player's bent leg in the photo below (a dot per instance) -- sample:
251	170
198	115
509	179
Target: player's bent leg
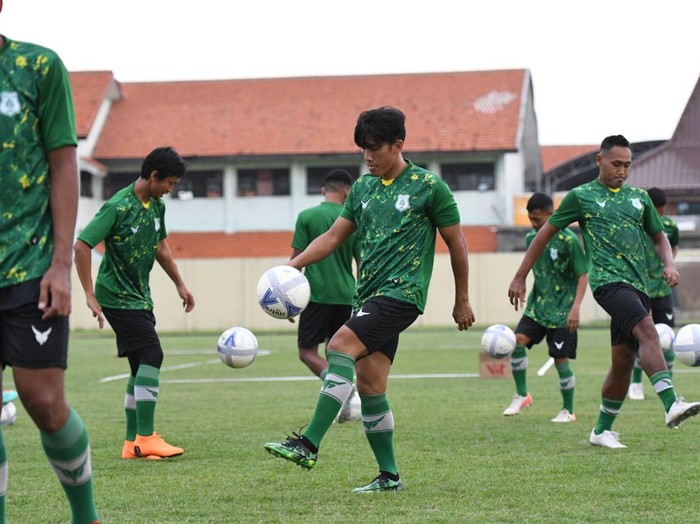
312	360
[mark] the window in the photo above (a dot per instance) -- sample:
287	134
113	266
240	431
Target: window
116	181
263	182
688	207
469	177
86	184
316	176
200	184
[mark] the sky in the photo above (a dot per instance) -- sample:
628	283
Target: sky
598	67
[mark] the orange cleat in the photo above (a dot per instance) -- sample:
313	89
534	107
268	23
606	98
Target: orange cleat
128	452
155	445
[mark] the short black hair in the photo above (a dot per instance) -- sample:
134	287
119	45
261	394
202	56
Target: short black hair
166	161
337	180
539	201
658	196
384	125
612	141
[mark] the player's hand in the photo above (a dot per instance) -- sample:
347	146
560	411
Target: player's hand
187	298
463	315
516	292
54	292
94	306
573	320
671	276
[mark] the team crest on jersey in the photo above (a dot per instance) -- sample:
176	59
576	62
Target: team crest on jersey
9	103
636	203
157	224
402	202
554	253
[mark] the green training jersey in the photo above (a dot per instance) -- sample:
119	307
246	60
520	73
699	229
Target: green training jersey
331	279
36	116
396	227
131	232
614	225
657	283
556	273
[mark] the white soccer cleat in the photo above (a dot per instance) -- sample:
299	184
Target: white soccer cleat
680	411
636	391
607	439
518	404
564	416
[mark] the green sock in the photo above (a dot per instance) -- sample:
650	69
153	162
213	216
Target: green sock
670	358
130	410
68	451
337	388
146	395
518	365
567	383
637	371
3	477
378	422
609	409
664	388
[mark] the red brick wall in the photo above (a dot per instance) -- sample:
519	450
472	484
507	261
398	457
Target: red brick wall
480	239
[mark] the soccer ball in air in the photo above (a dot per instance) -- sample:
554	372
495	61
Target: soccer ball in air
498	341
666	336
283	292
237	347
686	345
9	414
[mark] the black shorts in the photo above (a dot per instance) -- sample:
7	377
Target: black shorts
626	306
662	310
26	340
135	329
561	342
380	321
319	322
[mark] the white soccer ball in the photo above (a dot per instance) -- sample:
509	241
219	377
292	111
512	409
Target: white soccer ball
283	292
237	347
666	335
498	341
9	414
686	345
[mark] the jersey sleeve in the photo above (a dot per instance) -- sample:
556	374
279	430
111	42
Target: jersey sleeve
99	227
163	232
443	207
652	220
300	240
580	263
568	211
56	110
348	211
673	235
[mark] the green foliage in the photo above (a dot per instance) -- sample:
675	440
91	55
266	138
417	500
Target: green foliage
460	459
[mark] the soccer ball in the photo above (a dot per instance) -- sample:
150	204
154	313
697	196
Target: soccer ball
283	292
666	336
9	414
237	347
498	341
686	345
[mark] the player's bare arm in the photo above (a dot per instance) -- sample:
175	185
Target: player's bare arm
165	258
517	289
574	318
462	311
55	290
325	244
83	266
665	251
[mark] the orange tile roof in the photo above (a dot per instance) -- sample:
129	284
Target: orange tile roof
89	91
460	111
554	156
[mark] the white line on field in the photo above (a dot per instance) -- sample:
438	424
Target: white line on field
305	378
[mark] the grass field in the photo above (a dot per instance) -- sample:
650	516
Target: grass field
460	459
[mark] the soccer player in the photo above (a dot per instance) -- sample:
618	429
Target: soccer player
39	205
331	279
396	209
132	226
615	219
659	291
553	309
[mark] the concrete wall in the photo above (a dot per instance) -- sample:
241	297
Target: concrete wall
225	294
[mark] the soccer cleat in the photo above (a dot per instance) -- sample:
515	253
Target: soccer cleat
155	445
128	452
607	439
351	410
518	404
293	450
564	416
680	411
636	391
380	483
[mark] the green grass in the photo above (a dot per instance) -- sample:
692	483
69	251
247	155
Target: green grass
460	459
